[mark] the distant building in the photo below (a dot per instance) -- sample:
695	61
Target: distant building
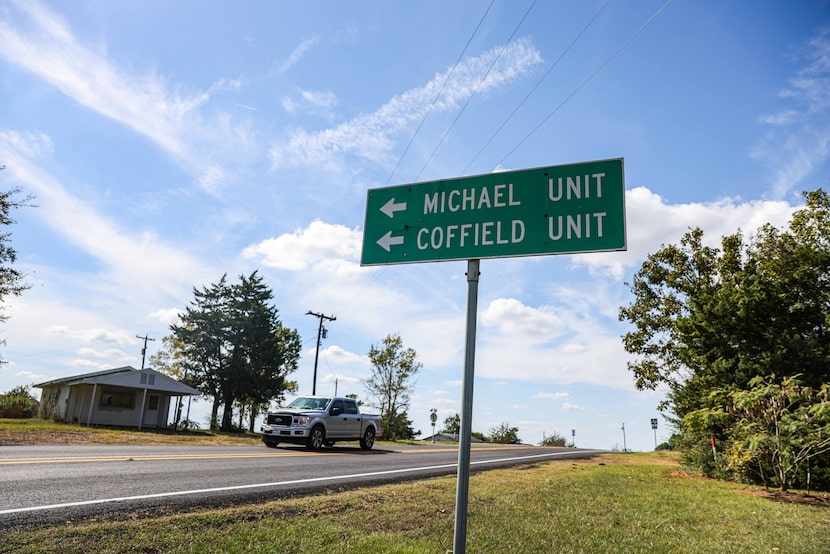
123	396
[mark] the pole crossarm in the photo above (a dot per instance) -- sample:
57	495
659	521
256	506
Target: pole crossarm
321	317
145	338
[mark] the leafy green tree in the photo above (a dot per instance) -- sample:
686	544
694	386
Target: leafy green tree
709	319
170	360
554	439
399	427
18	403
452	424
504	434
235	348
775	428
393	370
12	281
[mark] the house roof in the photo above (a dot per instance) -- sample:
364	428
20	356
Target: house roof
127	376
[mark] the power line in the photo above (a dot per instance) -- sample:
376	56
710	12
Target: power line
539	82
438	94
469	99
587	80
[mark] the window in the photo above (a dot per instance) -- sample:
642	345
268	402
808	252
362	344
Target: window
117	399
153	402
351	407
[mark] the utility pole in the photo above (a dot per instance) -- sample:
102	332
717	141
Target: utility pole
145	338
321	317
625	448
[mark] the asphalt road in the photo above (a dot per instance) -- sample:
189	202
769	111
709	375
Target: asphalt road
45	485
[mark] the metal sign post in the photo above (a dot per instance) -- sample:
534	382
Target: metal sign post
463	485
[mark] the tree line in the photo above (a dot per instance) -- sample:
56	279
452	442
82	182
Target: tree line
230	344
739	336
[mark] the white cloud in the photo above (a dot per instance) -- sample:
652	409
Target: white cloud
368	135
512	317
90	335
552	396
337	355
318	243
126	253
40	42
568	407
313	102
168	316
652	222
110	354
297	54
798	144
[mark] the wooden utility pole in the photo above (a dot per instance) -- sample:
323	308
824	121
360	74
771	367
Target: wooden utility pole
145	338
317	353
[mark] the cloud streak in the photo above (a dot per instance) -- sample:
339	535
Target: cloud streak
369	136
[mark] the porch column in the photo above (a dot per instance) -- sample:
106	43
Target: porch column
141	413
91	404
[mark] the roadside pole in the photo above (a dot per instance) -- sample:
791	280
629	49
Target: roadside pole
463	485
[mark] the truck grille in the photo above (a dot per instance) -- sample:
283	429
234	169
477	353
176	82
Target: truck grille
277	419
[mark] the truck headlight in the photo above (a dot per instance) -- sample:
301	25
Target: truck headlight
302	420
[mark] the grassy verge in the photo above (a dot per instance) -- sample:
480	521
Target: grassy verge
22	432
616	503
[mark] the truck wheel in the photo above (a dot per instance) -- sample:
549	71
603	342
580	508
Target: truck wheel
316	438
368	440
271	444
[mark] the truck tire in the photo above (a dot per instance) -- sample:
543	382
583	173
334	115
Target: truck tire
316	438
271	443
368	440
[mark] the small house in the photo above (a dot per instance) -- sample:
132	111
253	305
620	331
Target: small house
123	396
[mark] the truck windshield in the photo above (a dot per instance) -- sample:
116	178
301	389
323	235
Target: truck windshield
310	403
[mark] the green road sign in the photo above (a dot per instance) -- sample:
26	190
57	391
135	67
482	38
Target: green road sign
562	209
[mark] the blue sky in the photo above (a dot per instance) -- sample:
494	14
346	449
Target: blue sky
168	143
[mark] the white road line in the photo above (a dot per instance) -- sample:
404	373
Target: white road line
275	484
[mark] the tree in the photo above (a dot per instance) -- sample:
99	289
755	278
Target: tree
707	321
452	425
170	360
235	347
776	427
12	281
554	439
390	385
18	403
504	434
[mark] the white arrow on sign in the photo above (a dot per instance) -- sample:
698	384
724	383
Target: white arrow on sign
388	240
390	207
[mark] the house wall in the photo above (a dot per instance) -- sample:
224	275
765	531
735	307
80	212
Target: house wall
53	402
118	406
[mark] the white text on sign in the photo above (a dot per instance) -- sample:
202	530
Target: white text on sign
575	226
486	233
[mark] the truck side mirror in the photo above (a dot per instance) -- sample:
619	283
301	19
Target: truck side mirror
336	410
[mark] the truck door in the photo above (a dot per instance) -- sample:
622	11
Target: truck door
337	420
353	418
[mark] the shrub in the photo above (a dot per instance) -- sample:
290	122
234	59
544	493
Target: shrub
17	406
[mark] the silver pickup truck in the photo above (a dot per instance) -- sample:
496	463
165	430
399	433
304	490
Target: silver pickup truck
320	420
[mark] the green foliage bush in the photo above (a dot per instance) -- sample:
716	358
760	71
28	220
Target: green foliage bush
18	404
554	439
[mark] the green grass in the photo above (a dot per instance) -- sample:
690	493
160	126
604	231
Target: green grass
43	431
615	503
